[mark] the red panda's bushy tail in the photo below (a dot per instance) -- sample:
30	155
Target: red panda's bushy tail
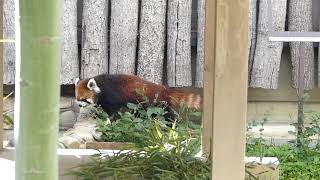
190	100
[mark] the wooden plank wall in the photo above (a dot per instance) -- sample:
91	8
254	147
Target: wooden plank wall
1	76
8	48
153	39
69	57
123	36
153	16
179	57
265	56
94	55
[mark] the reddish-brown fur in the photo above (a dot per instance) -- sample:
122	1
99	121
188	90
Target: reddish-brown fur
118	90
82	92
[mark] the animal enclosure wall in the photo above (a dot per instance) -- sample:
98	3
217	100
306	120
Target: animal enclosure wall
162	41
123	36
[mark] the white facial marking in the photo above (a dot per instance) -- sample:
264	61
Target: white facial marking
76	81
82	103
92	85
90	101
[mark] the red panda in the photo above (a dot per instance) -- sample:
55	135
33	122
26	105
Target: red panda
112	92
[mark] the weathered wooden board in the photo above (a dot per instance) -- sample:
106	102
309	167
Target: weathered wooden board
178	45
200	44
267	56
123	36
208	83
252	36
94	55
226	53
9	47
300	19
69	57
1	76
152	40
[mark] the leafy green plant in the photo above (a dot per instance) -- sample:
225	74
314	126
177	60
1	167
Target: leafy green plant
167	152
7	119
257	144
7	116
164	149
133	125
296	162
170	155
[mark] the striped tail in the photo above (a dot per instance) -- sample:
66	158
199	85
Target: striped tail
180	98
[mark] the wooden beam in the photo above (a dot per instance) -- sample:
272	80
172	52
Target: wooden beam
208	70
1	74
225	86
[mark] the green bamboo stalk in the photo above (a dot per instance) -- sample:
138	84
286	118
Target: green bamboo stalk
37	89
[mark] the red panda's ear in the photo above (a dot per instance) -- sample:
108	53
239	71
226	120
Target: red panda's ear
92	85
76	81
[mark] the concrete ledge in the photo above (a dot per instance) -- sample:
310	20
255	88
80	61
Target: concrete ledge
68	159
275	131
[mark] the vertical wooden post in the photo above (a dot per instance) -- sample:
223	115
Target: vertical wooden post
208	81
1	74
226	75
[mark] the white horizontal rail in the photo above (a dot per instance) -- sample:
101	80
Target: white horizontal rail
289	36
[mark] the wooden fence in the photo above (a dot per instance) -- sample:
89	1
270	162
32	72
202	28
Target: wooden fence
152	38
143	37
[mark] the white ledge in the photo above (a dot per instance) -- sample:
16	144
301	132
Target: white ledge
290	36
70	158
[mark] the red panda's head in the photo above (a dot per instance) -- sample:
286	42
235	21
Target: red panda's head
86	91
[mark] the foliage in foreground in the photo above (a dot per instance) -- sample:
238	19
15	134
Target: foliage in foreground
169	145
171	157
296	162
154	136
133	125
7	116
